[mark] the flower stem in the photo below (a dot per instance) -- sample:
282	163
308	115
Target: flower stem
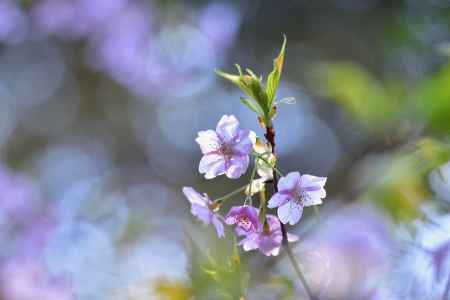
262	205
242	188
252	177
270	137
295	264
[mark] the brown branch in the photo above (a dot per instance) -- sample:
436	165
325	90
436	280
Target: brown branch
270	137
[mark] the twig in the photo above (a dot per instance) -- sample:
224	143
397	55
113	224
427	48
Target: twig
235	192
270	137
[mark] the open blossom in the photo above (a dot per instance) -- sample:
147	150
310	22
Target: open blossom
267	239
226	150
296	192
245	218
204	209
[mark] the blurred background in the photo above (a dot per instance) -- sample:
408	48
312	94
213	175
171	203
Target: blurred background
100	103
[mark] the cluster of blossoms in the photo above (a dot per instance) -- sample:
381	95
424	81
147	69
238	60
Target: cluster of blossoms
227	151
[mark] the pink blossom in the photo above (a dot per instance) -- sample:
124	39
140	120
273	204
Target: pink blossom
204	209
268	239
245	218
226	150
296	192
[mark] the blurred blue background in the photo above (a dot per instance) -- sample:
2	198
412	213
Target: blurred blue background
100	103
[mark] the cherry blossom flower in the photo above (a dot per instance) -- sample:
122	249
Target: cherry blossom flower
226	150
245	218
268	239
204	209
296	192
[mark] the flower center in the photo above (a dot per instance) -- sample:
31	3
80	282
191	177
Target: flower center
301	196
214	206
226	150
244	222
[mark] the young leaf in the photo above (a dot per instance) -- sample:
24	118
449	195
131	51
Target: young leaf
252	105
257	92
274	76
233	78
250	85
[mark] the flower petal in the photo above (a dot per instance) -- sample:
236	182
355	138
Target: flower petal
212	165
313	186
250	242
312	183
313	199
274	223
240	231
230	218
292	237
201	212
275	251
289	182
194	197
208	141
244	143
219	226
278	199
227	128
268	246
290	213
237	166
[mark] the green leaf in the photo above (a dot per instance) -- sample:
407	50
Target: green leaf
257	92
251	86
233	78
274	77
252	105
261	97
238	67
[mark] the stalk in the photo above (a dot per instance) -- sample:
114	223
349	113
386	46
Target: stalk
270	137
231	194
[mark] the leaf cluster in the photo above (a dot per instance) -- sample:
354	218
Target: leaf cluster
260	97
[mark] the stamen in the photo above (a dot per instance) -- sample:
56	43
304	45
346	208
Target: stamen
301	196
244	222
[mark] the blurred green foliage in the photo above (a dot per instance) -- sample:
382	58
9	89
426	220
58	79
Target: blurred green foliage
213	275
434	100
368	100
396	179
397	182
